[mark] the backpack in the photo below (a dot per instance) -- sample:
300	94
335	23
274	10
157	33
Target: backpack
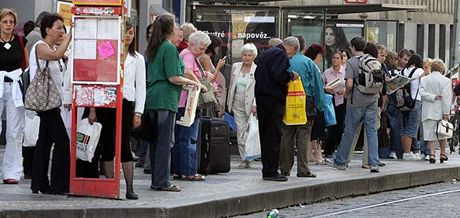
404	101
370	75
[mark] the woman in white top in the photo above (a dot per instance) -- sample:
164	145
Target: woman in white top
436	93
241	96
52	129
133	106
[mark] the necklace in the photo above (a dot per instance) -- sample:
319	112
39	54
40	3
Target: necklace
7	43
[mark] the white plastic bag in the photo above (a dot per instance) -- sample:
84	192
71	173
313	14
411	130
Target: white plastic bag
253	141
31	129
87	139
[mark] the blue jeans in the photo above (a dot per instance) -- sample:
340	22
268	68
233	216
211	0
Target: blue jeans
354	115
162	122
394	118
184	150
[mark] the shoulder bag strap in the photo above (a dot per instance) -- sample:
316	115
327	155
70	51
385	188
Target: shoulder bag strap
36	59
200	68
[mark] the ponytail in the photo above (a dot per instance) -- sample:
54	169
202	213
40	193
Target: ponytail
163	27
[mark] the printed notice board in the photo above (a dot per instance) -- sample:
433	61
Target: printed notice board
96	50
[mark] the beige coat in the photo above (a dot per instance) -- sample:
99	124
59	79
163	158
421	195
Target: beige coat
431	86
249	99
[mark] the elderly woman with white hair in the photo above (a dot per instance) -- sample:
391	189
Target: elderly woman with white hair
241	99
184	165
436	93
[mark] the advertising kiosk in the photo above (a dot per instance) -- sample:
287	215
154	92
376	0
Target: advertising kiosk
97	81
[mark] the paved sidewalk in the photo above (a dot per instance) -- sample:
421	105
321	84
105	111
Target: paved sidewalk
241	191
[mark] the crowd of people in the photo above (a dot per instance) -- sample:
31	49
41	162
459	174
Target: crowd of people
178	56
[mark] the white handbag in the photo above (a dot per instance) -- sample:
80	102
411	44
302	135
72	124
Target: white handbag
445	129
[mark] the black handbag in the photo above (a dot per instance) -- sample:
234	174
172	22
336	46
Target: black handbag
457	90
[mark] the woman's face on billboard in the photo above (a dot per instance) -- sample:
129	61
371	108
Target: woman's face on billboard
330	37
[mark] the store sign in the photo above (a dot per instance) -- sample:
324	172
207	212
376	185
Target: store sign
65	10
355	1
98	2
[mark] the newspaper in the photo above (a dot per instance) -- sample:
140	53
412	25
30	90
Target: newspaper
397	82
337	83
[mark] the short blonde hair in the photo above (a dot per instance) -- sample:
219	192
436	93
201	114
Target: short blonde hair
274	42
427	61
249	47
188	29
438	65
6	11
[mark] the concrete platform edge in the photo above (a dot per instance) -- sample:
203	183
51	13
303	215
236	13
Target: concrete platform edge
248	203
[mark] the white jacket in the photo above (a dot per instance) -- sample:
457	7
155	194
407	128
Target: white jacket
431	86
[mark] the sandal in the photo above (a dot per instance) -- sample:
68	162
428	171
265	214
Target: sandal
308	174
443	157
171	188
196	177
432	158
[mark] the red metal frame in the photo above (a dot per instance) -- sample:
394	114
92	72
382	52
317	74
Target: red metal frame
98	187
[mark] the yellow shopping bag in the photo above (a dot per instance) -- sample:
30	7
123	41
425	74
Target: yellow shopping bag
296	113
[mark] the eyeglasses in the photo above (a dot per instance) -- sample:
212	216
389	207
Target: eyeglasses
8	22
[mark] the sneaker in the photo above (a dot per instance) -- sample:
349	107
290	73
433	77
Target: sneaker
365	166
374	169
427	157
248	164
410	156
331	163
242	164
393	155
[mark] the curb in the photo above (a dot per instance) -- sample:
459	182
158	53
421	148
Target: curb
257	200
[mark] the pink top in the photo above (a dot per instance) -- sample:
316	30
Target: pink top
329	75
190	62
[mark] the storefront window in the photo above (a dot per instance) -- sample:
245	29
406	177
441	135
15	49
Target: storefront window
237	26
382	32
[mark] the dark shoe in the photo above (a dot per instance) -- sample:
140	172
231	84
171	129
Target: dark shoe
171	188
177	177
308	174
432	159
285	174
276	178
147	171
443	157
381	164
10	181
139	164
131	196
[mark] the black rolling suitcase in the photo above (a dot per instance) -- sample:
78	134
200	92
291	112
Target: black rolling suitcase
214	146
